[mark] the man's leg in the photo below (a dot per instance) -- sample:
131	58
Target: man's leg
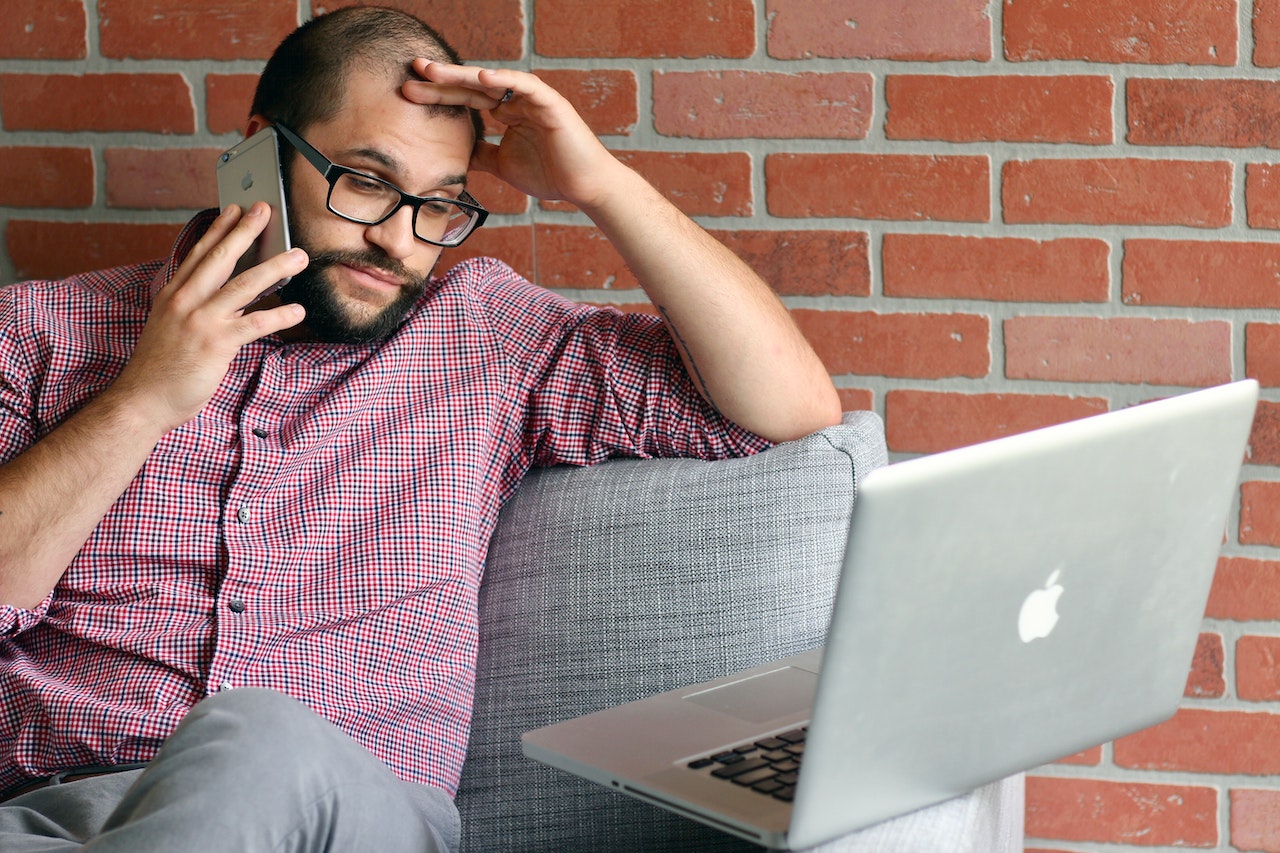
252	770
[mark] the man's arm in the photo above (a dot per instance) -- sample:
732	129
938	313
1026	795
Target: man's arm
738	343
55	493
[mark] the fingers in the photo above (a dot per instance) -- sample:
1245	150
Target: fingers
212	260
465	85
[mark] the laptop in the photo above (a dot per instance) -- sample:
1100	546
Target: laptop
1000	606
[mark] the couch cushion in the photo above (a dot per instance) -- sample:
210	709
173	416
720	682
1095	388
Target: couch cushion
611	583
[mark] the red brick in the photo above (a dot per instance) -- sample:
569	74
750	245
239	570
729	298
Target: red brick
154	103
1132	350
1118	192
1266	33
495	194
806	263
929	30
1000	108
1121	812
32	176
1158	32
513	244
59	249
1199	740
1264	441
575	256
921	346
605	98
855	399
179	29
165	179
1245	590
762	104
931	421
1260	513
1217	113
1262	353
477	29
811	263
1262	195
44	29
1207	678
1255	820
880	186
1012	269
649	29
228	99
1198	273
1257	673
699	183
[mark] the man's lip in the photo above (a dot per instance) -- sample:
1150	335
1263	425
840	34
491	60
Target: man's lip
378	276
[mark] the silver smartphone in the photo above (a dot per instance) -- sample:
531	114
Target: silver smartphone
249	172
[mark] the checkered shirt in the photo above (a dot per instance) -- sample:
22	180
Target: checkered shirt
320	527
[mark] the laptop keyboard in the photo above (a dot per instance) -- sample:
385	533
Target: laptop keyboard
769	766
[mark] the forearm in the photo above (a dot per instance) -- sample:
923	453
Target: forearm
54	494
736	338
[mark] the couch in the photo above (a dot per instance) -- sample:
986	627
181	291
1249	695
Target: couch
610	583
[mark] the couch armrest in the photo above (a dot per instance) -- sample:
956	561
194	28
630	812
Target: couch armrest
610	583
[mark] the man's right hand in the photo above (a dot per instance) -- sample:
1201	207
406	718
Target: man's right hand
198	322
55	493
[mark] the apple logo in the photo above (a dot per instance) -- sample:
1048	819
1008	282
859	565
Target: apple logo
246	181
1039	613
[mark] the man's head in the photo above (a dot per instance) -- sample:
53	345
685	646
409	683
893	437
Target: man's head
336	82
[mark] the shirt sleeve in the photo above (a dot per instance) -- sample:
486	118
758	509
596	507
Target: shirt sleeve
16	430
598	382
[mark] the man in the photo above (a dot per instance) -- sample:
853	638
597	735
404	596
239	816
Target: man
206	510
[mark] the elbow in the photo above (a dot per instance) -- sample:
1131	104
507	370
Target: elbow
796	419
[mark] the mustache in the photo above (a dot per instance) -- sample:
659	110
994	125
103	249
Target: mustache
372	257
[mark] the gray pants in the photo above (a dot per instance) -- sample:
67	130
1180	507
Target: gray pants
247	770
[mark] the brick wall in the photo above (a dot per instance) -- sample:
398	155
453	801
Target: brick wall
988	216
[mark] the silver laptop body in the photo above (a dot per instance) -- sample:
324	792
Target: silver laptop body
1000	606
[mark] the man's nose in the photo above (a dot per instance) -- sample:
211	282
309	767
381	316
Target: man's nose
394	235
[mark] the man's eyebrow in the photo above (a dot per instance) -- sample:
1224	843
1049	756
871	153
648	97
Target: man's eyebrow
394	166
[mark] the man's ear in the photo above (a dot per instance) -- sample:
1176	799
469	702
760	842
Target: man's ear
256	123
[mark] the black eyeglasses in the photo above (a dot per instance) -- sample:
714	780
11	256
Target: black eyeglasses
363	198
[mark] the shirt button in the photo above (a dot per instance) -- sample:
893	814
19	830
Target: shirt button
235	605
242	514
226	685
260	432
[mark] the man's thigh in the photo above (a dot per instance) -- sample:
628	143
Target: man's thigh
61	817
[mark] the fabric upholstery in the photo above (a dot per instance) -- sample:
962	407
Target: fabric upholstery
610	583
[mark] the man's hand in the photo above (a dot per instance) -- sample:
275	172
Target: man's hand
547	150
55	493
198	322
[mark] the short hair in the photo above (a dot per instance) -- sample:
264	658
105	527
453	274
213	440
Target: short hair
305	79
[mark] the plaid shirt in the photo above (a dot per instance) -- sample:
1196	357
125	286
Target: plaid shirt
320	527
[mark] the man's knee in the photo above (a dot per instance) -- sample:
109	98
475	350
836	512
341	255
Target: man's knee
262	729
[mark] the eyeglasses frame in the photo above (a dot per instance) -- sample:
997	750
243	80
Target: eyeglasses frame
332	171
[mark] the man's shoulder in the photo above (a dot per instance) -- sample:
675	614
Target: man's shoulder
126	286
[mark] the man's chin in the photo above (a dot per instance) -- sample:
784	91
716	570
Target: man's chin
338	319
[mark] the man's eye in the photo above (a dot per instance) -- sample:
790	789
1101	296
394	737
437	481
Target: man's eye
437	207
365	185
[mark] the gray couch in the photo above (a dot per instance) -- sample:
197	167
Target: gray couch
611	583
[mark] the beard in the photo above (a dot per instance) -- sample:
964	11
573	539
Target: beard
333	320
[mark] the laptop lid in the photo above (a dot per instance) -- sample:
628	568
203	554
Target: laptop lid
1010	603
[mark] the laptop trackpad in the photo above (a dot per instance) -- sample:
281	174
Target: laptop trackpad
763	697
